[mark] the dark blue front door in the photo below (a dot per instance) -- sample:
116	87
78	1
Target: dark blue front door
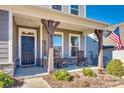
27	50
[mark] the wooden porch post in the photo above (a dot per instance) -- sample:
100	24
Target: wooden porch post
99	34
50	26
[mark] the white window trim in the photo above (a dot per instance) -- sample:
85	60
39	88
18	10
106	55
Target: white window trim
10	42
70	44
69	9
63	9
61	33
85	13
20	30
85	53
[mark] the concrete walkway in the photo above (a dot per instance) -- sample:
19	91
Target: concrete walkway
37	82
32	71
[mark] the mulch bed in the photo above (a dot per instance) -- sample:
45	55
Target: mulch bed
80	81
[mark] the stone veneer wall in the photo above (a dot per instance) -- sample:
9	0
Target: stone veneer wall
71	61
7	68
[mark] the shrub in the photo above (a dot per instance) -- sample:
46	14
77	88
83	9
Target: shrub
61	75
115	67
1	85
88	72
5	80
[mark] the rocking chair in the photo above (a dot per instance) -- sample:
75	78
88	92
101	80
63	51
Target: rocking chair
58	61
81	59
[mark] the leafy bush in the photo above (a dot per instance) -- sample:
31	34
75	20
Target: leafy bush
61	75
88	72
5	80
115	67
1	85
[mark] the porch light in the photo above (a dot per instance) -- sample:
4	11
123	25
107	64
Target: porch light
26	32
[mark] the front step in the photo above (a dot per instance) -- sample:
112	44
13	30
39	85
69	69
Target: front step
27	66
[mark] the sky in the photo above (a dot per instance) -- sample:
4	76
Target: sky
112	14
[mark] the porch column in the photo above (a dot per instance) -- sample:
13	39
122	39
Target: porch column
99	34
10	36
50	26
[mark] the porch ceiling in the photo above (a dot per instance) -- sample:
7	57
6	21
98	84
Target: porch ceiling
36	22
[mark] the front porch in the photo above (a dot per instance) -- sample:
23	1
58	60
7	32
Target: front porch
26	28
40	30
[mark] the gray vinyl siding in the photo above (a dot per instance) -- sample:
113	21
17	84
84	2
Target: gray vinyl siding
92	52
3	51
4	30
4	25
107	55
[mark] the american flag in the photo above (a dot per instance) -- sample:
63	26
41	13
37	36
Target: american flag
115	35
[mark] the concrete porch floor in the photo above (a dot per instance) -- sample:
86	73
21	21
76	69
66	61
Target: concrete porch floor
35	71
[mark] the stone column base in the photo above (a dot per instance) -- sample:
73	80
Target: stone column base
7	68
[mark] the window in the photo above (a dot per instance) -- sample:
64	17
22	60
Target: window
57	7
74	9
74	45
58	43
